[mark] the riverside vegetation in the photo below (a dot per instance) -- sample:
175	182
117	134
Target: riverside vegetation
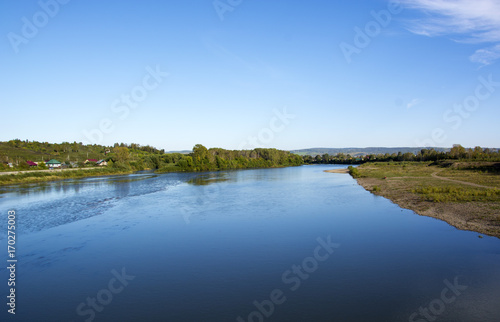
124	158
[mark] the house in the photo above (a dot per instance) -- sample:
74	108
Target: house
91	160
102	163
53	163
31	163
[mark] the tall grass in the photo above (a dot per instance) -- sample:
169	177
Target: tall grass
457	194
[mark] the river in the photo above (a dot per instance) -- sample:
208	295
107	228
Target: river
288	244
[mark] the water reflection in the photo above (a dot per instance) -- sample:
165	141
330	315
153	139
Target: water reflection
50	204
122	189
72	185
209	178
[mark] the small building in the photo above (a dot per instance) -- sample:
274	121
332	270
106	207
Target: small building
32	164
102	163
91	160
53	163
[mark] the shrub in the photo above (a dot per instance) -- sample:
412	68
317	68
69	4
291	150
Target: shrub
354	172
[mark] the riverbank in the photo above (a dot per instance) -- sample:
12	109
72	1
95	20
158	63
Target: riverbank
343	170
464	194
34	176
4	173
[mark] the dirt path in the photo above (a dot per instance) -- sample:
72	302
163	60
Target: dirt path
54	170
434	175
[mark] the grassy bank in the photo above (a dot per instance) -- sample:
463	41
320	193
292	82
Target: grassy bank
464	194
52	175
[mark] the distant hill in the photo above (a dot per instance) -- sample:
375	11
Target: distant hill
181	151
363	151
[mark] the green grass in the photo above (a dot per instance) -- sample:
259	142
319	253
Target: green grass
395	169
481	177
458	194
416	178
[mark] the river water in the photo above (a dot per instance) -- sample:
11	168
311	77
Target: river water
289	244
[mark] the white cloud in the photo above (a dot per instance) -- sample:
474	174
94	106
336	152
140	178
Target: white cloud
469	21
413	102
486	56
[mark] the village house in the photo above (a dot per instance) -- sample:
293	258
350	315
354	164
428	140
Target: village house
53	163
91	160
32	164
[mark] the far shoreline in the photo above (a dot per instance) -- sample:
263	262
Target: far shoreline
342	170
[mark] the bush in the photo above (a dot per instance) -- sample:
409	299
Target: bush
42	166
354	172
23	166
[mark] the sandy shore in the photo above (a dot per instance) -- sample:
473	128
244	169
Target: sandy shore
472	216
343	170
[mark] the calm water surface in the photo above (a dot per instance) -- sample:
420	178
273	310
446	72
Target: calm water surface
292	244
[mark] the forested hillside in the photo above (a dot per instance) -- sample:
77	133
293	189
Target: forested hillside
14	155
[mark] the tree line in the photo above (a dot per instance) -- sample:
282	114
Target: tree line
203	159
134	157
457	152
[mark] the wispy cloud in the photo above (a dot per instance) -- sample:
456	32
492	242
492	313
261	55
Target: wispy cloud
486	56
413	102
468	21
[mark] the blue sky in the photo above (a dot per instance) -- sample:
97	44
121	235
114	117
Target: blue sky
241	74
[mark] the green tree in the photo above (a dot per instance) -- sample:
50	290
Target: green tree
121	154
457	152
